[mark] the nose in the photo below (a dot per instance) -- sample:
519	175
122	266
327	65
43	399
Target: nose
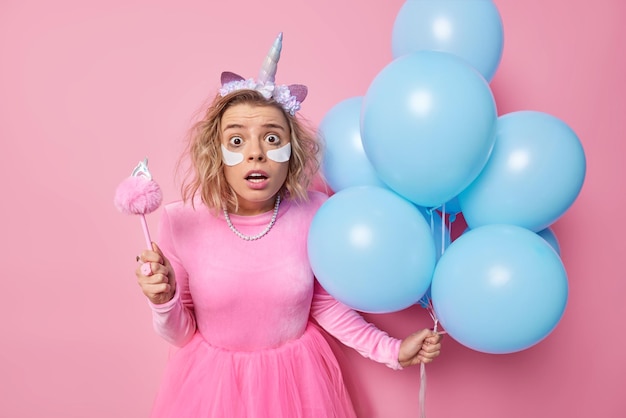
256	152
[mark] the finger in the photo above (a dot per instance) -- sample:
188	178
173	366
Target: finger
155	291
425	360
429	355
429	352
431	348
153	279
148	256
165	262
146	269
152	273
163	269
157	250
422	335
150	269
155	288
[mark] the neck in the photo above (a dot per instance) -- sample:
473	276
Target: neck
253	208
259	235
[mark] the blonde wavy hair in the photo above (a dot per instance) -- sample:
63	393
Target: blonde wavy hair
204	171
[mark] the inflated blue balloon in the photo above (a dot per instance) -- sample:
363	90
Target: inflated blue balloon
550	237
534	174
427	126
344	163
371	249
471	30
499	289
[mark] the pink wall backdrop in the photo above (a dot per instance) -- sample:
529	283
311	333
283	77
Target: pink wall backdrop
87	89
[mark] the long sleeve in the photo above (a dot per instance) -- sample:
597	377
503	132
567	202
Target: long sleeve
353	330
174	321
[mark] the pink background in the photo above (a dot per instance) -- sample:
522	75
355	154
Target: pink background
87	89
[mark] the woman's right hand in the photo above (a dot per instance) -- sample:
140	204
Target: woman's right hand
156	276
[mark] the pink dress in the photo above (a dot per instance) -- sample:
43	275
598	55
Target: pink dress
242	315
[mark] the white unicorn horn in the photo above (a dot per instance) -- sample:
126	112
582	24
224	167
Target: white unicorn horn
270	65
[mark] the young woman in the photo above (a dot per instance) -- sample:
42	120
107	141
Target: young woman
230	282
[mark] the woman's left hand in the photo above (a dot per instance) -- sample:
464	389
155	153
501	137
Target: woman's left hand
420	347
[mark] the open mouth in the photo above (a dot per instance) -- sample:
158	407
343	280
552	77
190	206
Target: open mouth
256	177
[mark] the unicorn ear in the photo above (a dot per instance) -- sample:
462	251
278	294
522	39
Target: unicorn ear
299	91
227	77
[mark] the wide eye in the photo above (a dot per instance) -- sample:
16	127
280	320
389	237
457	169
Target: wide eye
272	139
235	141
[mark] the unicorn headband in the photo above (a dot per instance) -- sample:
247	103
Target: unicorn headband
289	97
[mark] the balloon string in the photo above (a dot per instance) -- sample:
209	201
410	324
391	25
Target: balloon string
422	393
432	222
431	309
443	228
422	390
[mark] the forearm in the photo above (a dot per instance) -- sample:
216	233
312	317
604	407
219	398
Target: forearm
353	330
174	321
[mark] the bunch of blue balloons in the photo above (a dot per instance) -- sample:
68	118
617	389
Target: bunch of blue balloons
426	135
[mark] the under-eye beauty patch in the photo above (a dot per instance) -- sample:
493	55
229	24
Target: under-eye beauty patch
280	155
231	158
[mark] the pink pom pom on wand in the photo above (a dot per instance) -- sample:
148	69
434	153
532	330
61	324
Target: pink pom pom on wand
139	195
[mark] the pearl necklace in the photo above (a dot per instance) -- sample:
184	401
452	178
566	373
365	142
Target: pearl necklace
262	233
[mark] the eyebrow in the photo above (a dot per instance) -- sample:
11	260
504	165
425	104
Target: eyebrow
270	125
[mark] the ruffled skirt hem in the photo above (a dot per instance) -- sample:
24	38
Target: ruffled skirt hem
300	379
